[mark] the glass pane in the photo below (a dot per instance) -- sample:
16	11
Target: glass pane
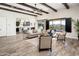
56	22
63	22
51	23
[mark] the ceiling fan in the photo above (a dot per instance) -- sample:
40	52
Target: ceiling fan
37	11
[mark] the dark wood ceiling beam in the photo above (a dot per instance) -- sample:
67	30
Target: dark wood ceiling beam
2	8
66	5
23	4
49	6
11	6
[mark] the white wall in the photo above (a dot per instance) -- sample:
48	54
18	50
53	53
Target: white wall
11	20
73	12
2	26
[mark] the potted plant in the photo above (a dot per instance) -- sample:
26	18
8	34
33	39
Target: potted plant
77	27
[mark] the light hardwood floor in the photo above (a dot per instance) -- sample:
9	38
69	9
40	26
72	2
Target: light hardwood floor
20	46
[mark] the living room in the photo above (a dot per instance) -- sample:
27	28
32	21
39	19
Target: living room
23	24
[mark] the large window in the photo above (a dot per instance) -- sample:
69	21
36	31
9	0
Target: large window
57	25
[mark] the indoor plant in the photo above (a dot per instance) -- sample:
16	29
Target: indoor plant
77	27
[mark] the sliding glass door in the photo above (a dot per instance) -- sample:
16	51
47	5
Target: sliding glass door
57	25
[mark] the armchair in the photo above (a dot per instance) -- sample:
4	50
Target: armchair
45	43
61	36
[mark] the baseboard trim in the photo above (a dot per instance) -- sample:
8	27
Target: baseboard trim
71	38
45	49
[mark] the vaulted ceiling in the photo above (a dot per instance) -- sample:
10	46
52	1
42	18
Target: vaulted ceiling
34	9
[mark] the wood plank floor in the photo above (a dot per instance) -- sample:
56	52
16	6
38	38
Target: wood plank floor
20	46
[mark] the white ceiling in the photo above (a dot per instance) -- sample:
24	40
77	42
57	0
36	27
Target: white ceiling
57	6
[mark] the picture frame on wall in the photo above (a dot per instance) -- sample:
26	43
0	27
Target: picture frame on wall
26	24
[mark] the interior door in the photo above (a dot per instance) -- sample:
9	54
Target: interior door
3	26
